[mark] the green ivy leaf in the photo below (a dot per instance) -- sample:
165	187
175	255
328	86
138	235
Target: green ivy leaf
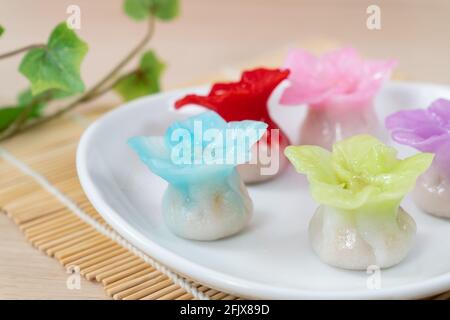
141	9
144	80
57	65
26	97
2	30
9	114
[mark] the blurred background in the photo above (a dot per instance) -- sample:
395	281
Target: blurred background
213	35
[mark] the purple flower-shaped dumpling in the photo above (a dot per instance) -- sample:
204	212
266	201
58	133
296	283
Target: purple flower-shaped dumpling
428	130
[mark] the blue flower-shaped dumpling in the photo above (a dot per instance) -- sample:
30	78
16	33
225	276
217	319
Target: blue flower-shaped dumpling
198	147
205	198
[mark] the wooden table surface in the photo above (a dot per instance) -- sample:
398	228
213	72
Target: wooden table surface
209	36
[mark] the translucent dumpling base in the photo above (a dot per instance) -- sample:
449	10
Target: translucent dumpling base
208	211
269	163
432	193
326	125
359	241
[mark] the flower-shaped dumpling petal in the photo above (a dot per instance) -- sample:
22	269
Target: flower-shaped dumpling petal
199	147
338	76
242	100
424	129
360	170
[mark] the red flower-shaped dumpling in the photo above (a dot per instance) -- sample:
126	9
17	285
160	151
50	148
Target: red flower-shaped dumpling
242	100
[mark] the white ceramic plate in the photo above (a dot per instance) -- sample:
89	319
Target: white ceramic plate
272	258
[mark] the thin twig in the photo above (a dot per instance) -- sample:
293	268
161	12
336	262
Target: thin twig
107	88
126	59
20	50
96	91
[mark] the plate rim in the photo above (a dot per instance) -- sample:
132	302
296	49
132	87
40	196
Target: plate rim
219	280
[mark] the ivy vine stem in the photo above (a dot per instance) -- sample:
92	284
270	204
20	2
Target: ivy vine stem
20	121
113	73
20	50
100	88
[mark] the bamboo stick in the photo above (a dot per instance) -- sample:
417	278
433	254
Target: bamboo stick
151	287
160	291
138	287
131	281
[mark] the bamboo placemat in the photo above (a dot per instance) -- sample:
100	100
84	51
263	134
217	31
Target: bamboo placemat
41	193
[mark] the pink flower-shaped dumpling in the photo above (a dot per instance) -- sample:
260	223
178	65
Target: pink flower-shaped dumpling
428	130
340	76
339	87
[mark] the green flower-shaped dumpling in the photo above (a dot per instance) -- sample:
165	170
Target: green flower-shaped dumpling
359	171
